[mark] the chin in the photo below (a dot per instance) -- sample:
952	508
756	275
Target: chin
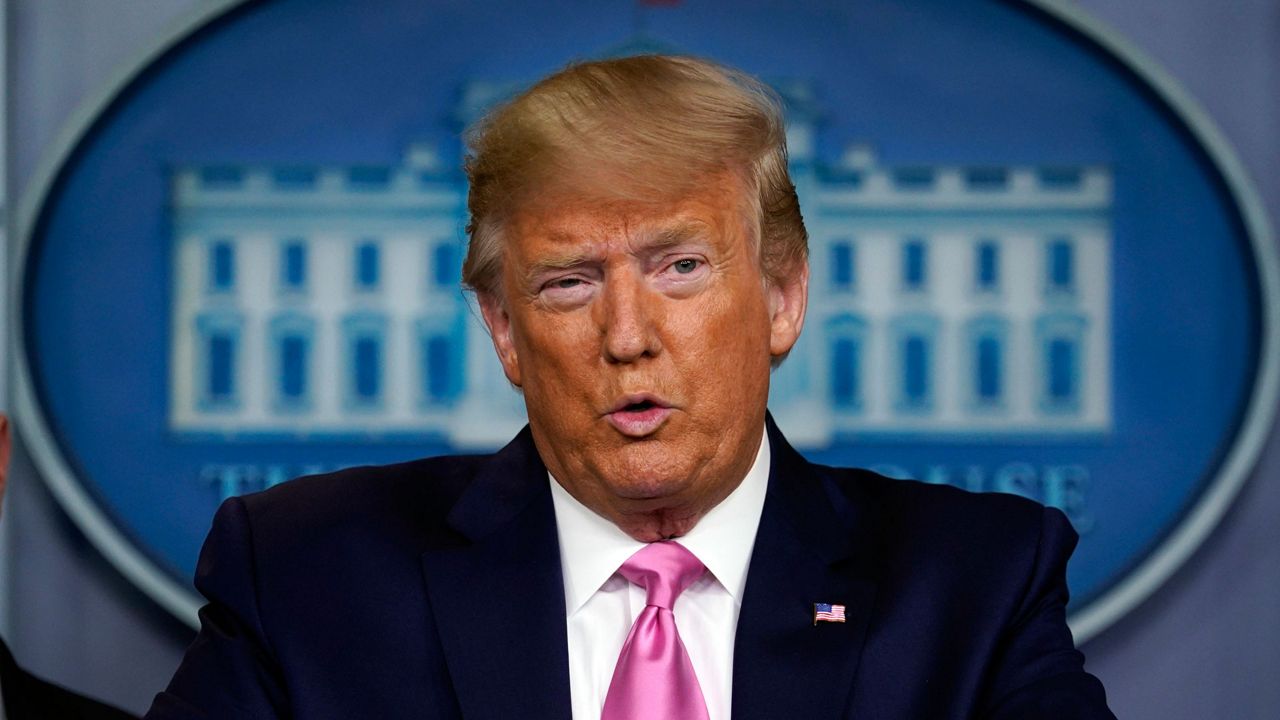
638	489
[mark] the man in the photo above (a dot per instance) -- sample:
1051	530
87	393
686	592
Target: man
649	546
25	696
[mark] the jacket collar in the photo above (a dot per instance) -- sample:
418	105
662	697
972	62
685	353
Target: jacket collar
815	545
496	592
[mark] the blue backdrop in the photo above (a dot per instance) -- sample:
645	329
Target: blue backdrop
1010	88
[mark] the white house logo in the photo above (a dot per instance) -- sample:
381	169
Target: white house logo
265	266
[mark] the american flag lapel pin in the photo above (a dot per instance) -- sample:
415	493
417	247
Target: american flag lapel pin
827	612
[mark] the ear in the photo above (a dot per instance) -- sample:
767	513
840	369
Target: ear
788	299
498	322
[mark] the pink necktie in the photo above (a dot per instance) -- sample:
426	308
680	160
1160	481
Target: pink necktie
654	679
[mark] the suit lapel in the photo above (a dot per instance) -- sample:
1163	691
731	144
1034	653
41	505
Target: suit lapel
496	591
809	549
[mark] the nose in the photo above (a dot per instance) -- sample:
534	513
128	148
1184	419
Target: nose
628	317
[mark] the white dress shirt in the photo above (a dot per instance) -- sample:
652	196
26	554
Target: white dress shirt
601	605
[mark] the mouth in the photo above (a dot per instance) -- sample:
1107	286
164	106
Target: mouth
638	415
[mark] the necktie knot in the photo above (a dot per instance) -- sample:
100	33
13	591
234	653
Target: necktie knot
664	569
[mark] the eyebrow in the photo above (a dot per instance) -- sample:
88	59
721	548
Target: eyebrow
673	235
558	262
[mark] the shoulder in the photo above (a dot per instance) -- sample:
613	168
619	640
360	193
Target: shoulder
279	555
348	512
428	485
915	522
909	515
912	500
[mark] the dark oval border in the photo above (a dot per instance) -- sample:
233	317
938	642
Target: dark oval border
1142	580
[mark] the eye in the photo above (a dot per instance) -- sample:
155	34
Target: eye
566	291
685	266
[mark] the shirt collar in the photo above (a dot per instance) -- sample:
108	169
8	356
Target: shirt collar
593	548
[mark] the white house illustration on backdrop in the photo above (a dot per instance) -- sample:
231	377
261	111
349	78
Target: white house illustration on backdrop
946	301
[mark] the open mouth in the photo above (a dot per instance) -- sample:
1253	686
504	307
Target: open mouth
638	415
638	403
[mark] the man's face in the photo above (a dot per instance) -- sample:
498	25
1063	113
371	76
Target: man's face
642	337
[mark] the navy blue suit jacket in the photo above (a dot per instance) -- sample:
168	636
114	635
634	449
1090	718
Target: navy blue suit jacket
432	589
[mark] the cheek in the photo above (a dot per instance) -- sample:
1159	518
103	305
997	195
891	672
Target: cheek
556	355
724	345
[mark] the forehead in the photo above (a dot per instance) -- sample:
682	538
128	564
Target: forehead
718	210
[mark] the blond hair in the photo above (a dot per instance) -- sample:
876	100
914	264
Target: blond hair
647	128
